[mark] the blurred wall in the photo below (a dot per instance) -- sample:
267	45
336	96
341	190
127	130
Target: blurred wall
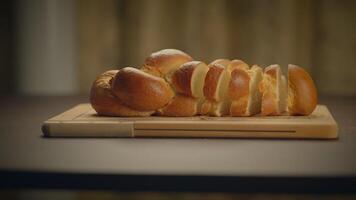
63	45
318	35
46	54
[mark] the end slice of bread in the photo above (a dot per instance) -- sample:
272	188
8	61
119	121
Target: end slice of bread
302	93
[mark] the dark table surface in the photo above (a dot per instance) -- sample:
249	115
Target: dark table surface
27	160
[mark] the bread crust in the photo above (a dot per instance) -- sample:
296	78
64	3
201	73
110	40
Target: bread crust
141	91
182	78
163	62
104	102
302	95
206	107
239	84
180	106
238	64
211	81
212	105
222	61
170	83
239	91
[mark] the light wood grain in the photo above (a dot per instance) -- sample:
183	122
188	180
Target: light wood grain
82	121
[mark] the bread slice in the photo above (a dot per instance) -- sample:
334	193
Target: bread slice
244	91
188	83
189	78
216	83
274	91
302	93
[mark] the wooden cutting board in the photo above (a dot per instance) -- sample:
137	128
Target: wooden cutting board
82	121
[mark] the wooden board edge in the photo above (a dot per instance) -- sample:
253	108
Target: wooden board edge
72	113
333	128
62	123
45	129
225	134
77	129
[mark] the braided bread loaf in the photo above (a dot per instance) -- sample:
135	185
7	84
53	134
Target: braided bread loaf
171	83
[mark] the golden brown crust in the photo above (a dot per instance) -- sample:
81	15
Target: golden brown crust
105	103
182	77
141	91
237	64
216	68
211	81
215	88
220	88
152	70
222	61
163	62
206	107
239	91
180	106
304	96
189	78
239	84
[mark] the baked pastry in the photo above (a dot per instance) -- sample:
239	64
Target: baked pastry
180	106
170	83
274	91
189	79
302	94
237	64
297	96
164	62
215	89
188	82
140	90
106	103
244	92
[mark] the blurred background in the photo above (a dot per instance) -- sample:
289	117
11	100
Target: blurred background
58	47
